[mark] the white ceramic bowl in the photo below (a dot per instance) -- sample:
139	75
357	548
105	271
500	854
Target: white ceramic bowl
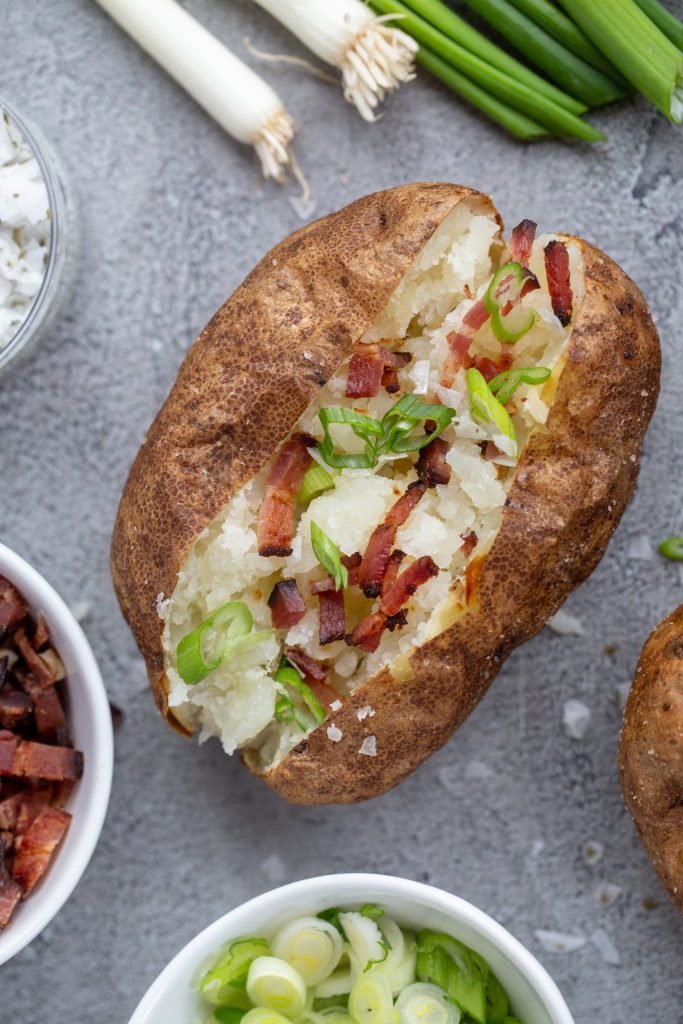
90	723
534	996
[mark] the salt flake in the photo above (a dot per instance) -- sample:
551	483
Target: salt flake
565	624
369	746
605	947
560	942
366	712
334	734
575	718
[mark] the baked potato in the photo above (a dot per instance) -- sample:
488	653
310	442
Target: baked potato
651	752
385	463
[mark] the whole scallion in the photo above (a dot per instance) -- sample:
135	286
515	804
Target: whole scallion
447	21
664	20
540	109
570	72
637	47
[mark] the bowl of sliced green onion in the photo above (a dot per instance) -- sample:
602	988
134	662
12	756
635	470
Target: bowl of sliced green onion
354	949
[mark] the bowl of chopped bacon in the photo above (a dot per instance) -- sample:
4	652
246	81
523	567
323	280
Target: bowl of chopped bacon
56	753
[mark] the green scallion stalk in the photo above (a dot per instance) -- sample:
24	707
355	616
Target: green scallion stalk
290	678
329	556
453	26
316	481
637	47
540	109
514	122
665	21
571	73
672	548
504	385
222	635
562	28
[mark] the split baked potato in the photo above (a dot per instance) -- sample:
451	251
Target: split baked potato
385	463
651	752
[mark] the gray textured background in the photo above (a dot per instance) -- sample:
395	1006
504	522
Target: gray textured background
173	215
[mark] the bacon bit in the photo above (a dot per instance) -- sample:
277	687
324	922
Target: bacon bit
10	895
417	573
432	467
390	380
559	281
41	670
38	760
332	616
323	586
276	515
365	373
351	561
488	369
383	538
531	283
36	848
9	811
368	632
287	606
29	805
48	712
458	354
311	670
395	360
392	569
469	542
521	242
13	608
40	636
14	707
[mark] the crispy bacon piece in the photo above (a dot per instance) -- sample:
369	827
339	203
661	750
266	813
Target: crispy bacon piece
35	848
332	616
287	606
313	671
48	712
417	573
352	564
13	608
459	341
19	811
10	895
390	380
41	635
14	708
276	515
392	569
365	372
432	467
488	369
521	241
559	282
44	670
469	543
368	632
38	760
383	539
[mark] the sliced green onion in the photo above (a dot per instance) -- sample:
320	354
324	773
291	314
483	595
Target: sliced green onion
332	915
329	556
487	410
524	98
289	677
637	47
228	977
519	125
665	21
311	946
367	943
506	286
371	910
425	1003
399	966
363	426
504	385
571	73
456	969
223	635
672	548
316	481
227	1015
370	1000
274	984
448	22
334	988
264	1015
497	1003
562	28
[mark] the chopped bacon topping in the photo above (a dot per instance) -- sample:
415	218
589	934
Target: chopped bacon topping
43	670
432	467
24	758
372	367
310	669
459	341
14	707
287	606
383	539
10	895
390	380
13	608
276	515
488	369
417	573
559	281
35	849
332	616
48	713
392	570
521	242
368	632
469	543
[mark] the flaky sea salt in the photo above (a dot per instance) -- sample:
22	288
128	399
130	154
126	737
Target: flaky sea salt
366	712
369	746
565	624
605	947
576	717
336	705
25	226
560	942
334	734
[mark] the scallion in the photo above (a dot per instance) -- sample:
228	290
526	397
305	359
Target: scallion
315	482
447	21
373	57
672	548
233	967
456	969
233	94
570	72
665	21
504	385
505	287
292	683
225	633
524	98
329	556
636	46
488	411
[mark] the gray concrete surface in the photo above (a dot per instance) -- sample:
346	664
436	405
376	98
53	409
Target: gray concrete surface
173	215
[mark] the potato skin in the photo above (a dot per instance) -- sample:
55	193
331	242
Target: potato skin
651	752
571	487
247	379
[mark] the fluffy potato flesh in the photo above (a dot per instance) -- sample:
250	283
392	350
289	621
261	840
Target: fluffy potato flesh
454	523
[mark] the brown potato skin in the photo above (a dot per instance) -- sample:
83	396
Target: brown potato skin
247	379
651	752
230	410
